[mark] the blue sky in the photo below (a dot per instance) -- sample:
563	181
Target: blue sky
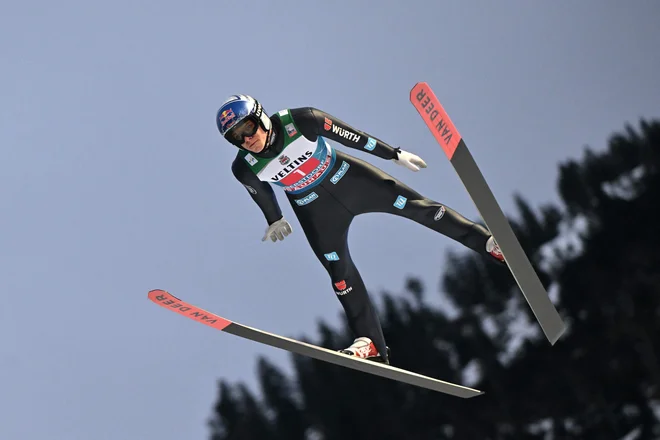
115	181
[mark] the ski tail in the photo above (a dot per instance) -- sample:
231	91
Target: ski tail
171	302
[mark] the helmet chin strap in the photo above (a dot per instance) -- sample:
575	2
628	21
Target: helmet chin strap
270	139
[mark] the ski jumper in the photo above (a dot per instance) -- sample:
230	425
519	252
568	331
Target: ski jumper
327	188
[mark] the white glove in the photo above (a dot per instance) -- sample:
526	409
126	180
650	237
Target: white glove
279	229
410	161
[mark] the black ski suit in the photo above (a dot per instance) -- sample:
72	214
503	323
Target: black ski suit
347	187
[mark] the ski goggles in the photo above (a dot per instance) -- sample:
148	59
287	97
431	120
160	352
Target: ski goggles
247	127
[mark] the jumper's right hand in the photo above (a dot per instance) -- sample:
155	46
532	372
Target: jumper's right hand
277	230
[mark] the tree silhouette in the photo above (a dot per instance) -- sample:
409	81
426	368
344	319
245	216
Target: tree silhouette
599	255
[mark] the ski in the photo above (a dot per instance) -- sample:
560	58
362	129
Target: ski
170	302
437	120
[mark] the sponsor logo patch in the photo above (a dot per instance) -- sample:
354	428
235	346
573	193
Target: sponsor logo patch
438	215
309	198
400	202
291	130
332	256
341	288
328	125
340	172
250	159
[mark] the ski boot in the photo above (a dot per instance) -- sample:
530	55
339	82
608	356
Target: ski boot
364	348
494	250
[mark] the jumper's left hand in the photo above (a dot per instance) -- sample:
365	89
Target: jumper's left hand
410	161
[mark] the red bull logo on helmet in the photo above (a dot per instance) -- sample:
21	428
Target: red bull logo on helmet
227	119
